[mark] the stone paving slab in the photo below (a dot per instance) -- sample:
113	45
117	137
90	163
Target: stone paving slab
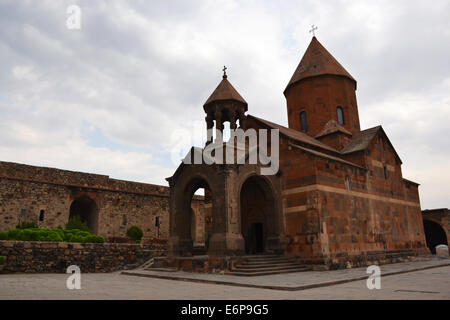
429	284
294	281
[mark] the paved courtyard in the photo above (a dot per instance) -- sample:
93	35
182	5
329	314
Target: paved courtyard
431	283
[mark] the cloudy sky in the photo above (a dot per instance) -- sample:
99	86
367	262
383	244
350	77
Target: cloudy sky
119	95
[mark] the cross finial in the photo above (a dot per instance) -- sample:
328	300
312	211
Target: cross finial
224	72
313	28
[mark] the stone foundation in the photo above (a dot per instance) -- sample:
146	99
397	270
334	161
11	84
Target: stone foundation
211	264
346	260
50	257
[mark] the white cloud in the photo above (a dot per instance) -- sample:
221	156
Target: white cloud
107	98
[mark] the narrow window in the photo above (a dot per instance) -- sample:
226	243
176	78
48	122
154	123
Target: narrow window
157	222
348	183
303	122
41	215
340	115
385	173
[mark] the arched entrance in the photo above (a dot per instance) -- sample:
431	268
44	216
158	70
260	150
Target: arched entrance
197	208
257	209
87	209
434	235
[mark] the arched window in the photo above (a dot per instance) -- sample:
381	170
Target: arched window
340	115
303	122
348	183
41	215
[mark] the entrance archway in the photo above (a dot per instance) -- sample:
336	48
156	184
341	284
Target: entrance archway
257	210
434	234
87	209
198	213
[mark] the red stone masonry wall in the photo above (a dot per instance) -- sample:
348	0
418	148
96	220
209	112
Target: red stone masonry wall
319	97
337	140
326	223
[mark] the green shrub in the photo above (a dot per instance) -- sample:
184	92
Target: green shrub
83	234
26	225
29	235
75	222
60	233
68	237
2	260
53	235
14	234
42	234
93	239
89	239
77	238
135	233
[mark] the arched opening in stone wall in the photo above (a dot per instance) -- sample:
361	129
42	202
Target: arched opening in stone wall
257	209
87	209
434	234
198	207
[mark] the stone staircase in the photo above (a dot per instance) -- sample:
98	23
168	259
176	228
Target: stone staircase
265	265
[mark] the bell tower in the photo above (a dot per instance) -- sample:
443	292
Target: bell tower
224	104
321	90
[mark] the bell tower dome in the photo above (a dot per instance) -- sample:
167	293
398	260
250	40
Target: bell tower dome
224	104
321	90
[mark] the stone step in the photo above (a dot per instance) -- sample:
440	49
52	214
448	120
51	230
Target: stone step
161	269
284	260
265	265
267	268
257	256
268	258
265	273
255	263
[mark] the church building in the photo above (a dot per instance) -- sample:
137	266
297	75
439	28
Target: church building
339	198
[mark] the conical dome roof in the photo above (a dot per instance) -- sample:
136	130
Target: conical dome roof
225	91
317	61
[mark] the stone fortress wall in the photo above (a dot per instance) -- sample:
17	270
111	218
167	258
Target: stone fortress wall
48	196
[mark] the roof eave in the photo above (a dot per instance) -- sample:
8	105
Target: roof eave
291	84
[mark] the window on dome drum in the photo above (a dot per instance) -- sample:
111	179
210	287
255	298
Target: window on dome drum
348	183
303	122
340	115
385	173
